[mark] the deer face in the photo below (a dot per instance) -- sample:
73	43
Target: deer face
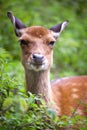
37	43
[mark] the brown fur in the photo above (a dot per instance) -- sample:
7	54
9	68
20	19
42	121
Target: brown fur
72	94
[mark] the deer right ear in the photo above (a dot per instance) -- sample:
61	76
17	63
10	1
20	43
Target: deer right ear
18	25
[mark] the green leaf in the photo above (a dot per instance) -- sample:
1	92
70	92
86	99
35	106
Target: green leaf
23	105
7	102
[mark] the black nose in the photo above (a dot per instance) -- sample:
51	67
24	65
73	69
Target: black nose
38	58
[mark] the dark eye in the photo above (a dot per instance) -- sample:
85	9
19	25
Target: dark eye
51	43
23	42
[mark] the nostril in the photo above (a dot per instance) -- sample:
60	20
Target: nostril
34	56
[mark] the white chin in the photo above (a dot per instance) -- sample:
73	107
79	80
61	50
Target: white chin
36	68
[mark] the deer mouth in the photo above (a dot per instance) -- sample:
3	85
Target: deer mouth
37	66
37	63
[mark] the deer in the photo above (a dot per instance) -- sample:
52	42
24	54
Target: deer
37	43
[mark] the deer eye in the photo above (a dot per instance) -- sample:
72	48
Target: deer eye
51	43
23	42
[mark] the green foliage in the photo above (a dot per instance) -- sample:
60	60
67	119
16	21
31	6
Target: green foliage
28	112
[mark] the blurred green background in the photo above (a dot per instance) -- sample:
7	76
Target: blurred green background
70	52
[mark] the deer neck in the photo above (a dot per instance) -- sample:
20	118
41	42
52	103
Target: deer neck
38	83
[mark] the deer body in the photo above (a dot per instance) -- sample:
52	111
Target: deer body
71	93
37	57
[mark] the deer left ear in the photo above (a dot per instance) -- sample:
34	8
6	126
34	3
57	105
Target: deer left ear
59	28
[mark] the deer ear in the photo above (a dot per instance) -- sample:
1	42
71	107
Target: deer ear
18	25
59	28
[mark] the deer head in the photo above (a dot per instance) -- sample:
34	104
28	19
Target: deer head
37	43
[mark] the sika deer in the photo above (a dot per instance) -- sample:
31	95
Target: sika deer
37	56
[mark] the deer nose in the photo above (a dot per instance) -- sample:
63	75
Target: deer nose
38	58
